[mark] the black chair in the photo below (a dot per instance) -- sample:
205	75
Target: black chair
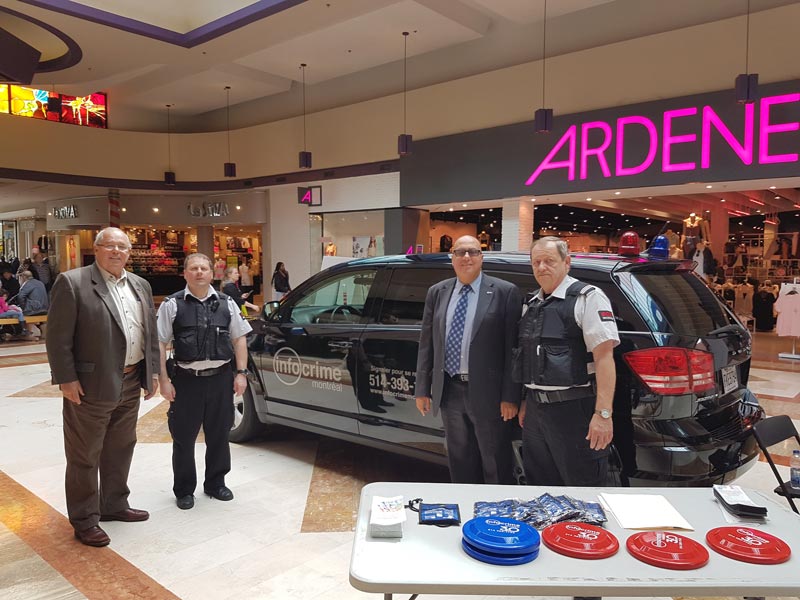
771	431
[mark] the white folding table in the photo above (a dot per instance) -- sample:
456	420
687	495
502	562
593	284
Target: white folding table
430	560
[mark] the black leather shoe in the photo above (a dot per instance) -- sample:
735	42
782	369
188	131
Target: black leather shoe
94	536
185	502
129	515
221	493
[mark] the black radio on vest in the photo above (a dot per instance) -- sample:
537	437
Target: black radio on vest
201	330
551	349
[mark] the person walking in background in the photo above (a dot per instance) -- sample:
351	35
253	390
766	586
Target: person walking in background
9	283
43	270
469	327
103	350
210	343
229	288
245	276
280	282
565	358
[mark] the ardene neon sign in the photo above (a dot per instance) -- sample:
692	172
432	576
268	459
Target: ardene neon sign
660	135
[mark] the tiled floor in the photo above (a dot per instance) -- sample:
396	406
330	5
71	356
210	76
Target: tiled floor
287	534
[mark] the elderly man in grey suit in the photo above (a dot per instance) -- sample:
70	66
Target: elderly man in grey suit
102	345
469	327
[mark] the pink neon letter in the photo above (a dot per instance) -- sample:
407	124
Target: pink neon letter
651	153
599	152
766	129
548	163
669	140
743	151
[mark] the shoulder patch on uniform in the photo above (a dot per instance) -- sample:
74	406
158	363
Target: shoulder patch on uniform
605	315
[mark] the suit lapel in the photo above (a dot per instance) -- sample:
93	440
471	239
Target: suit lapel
101	289
441	309
485	299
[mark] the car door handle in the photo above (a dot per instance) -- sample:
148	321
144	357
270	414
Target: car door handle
340	345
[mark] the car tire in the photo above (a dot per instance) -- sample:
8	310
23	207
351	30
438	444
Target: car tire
246	425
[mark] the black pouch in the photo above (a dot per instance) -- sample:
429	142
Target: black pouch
441	515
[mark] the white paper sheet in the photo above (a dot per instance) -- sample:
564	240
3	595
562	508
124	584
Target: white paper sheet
644	511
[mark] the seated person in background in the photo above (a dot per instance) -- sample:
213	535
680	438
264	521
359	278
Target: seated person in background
229	288
32	299
9	282
7	311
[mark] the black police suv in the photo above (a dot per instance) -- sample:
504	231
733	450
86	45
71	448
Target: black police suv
338	356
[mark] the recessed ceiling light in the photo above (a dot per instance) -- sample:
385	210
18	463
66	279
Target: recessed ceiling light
617	193
588	199
238	207
483	214
124	209
772	187
708	187
464	205
155	209
722	199
594	210
561	205
461	218
777	197
451	209
533	199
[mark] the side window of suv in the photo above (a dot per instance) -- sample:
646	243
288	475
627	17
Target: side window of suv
338	299
404	301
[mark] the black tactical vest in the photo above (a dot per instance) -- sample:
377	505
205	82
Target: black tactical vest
201	329
551	350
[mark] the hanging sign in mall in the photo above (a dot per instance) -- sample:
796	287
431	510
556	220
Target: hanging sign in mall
702	138
65	212
603	142
208	209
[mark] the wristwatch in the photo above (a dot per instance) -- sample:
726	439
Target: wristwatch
244	372
605	413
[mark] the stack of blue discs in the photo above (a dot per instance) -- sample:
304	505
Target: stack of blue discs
500	540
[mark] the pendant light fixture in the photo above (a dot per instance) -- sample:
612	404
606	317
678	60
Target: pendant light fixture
305	156
169	174
404	139
747	83
543	118
54	102
230	167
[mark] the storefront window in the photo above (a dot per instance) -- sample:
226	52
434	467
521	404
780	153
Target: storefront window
352	234
8	243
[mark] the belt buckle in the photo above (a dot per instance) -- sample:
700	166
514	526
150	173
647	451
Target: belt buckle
542	397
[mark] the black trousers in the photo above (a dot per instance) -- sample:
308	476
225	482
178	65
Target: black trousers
478	445
206	402
555	450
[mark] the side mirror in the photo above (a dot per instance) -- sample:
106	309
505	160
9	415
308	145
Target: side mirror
270	308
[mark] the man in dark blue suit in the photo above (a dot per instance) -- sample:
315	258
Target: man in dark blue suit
464	366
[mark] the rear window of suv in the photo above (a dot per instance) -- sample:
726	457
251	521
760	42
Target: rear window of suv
675	302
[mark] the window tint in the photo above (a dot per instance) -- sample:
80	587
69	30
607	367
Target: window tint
339	298
405	296
675	302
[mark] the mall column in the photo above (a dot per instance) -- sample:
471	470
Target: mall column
720	228
517	231
205	240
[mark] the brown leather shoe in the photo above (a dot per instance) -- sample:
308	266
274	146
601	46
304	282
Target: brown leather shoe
129	515
94	536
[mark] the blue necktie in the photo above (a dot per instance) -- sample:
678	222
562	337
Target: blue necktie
452	351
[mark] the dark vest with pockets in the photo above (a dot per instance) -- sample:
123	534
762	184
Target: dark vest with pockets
202	329
551	350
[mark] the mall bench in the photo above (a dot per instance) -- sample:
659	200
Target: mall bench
40	320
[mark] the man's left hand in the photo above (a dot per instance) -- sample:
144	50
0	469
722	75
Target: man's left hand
601	431
508	410
239	384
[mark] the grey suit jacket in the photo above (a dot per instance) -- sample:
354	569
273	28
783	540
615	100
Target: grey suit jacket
85	340
494	334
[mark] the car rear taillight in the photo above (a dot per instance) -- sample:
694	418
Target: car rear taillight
673	371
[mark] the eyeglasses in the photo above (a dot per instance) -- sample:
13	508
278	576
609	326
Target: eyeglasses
461	252
117	247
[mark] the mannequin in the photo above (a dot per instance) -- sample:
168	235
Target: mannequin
485	240
674	238
695	228
330	249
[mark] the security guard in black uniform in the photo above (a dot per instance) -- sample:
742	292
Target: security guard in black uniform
210	338
565	358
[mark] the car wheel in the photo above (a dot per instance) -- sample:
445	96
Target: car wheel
246	425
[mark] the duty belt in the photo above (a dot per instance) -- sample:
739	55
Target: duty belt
554	396
206	372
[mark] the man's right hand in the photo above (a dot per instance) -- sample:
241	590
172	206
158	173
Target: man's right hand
423	405
167	389
72	391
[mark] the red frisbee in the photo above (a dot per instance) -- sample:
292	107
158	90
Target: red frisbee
580	540
749	545
667	550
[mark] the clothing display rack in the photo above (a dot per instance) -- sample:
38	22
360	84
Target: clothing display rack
791	288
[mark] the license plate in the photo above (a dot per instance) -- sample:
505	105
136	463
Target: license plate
729	380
